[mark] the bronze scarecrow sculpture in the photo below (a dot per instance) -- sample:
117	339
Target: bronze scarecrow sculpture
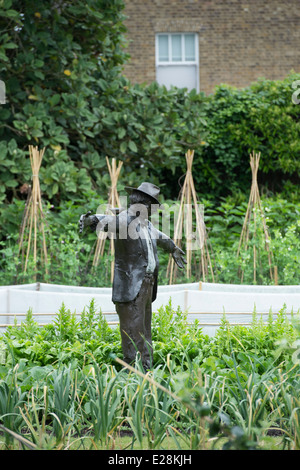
136	267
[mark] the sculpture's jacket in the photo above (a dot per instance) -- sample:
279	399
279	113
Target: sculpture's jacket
131	253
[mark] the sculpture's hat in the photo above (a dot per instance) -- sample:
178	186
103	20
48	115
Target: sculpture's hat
149	189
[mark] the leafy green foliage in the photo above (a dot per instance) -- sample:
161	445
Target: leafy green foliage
241	383
59	61
174	337
63	73
62	67
225	225
65	92
70	255
261	117
89	338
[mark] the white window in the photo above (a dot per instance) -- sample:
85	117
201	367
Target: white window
177	60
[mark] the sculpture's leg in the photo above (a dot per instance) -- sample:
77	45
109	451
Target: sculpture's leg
135	325
148	350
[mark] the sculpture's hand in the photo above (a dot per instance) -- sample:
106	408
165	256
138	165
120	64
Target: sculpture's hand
83	221
178	257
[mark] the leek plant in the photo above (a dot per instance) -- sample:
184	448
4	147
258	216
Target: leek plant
11	399
288	406
103	403
248	398
62	402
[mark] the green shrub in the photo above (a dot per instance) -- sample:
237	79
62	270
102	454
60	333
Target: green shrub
69	95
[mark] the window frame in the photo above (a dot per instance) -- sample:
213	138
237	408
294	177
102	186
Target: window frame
183	62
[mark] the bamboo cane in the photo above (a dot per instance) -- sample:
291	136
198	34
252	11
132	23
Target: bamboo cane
113	201
188	203
254	208
172	268
33	217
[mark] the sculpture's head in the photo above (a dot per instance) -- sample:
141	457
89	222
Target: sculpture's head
145	195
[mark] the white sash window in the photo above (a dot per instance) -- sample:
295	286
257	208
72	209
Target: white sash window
177	60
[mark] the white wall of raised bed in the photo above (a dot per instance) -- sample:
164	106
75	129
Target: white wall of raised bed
203	301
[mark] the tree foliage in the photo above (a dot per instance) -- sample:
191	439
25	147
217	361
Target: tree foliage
62	66
262	118
61	63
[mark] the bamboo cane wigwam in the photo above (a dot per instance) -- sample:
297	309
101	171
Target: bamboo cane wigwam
188	205
113	202
33	218
255	213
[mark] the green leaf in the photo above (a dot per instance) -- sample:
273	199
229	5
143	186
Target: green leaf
121	132
4	113
3	56
132	146
54	188
9	13
123	147
103	84
11	183
61	138
54	100
39	74
10	45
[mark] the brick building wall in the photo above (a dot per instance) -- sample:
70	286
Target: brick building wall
239	41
